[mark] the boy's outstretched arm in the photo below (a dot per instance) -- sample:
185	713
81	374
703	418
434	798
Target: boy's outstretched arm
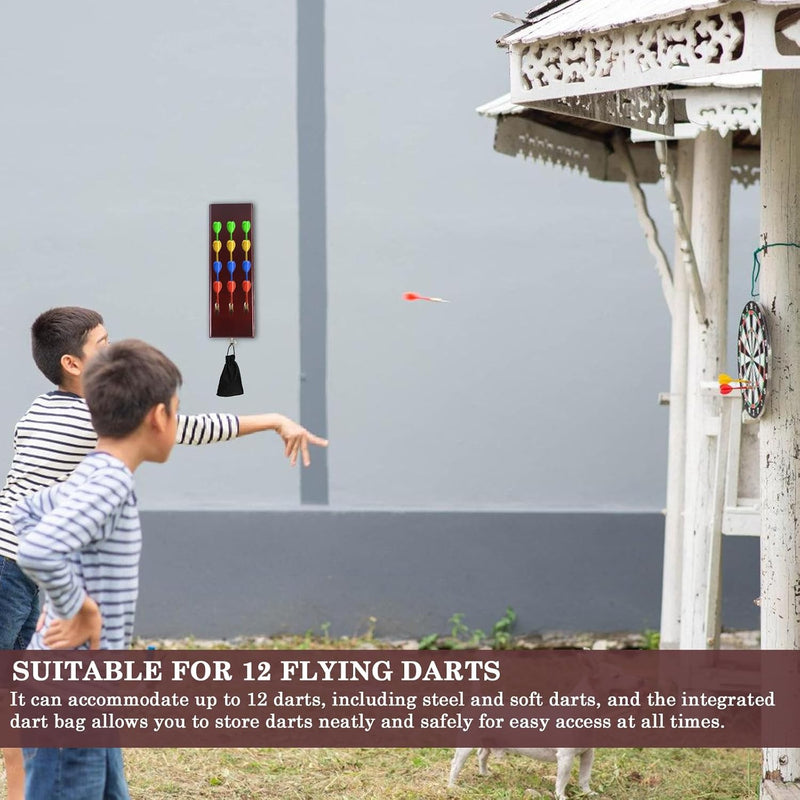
296	438
210	428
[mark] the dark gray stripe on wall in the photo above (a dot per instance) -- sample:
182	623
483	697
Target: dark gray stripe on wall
313	239
221	575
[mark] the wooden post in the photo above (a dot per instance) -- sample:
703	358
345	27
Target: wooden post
676	453
779	429
706	354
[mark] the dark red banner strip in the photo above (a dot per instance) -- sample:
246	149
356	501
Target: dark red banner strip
400	699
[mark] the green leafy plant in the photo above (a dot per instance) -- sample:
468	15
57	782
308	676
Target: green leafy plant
429	642
501	638
652	639
369	634
325	629
462	637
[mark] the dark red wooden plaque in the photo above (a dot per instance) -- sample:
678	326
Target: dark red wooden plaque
231	260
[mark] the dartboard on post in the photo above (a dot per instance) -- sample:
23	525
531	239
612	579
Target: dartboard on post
753	358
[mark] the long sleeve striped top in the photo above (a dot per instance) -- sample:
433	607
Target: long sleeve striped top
56	433
82	536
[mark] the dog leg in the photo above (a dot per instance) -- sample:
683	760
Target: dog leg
483	758
460	756
564	761
585	772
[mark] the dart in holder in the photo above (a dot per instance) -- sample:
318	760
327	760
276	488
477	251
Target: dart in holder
233	316
246	264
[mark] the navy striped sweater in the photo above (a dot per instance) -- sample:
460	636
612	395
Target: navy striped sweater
82	536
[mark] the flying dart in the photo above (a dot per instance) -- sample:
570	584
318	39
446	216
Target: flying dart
415	296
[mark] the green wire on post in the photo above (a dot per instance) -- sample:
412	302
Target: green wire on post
757	263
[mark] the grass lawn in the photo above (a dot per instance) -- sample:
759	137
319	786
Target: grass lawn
403	774
395	774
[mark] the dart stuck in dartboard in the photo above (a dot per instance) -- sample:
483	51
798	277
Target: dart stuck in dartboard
231	272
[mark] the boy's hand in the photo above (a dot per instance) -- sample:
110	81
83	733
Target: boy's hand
67	634
296	440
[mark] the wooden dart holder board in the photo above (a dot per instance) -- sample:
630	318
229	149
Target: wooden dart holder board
231	260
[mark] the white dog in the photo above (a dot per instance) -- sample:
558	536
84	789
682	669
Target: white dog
563	756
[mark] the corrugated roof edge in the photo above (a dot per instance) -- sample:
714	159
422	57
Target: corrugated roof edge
547	5
499	106
517	35
533	14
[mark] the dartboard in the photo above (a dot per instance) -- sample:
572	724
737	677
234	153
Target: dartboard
753	358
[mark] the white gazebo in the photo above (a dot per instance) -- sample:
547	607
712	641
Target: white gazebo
610	138
670	70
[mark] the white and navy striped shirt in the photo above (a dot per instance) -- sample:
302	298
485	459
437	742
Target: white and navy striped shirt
56	433
82	536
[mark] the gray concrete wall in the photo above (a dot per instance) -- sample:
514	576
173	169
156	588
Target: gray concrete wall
534	390
224	575
125	122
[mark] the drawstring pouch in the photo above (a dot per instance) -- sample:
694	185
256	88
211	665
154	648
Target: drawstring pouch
230	382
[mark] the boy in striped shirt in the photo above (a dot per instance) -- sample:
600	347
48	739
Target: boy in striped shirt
80	540
53	437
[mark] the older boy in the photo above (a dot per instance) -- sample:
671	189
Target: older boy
80	541
56	433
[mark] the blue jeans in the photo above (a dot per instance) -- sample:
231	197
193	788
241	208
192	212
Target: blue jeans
74	773
19	606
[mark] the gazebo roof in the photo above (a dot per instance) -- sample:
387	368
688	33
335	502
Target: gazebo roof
578	133
565	141
577	48
571	17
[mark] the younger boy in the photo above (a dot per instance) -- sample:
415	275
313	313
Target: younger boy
80	541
